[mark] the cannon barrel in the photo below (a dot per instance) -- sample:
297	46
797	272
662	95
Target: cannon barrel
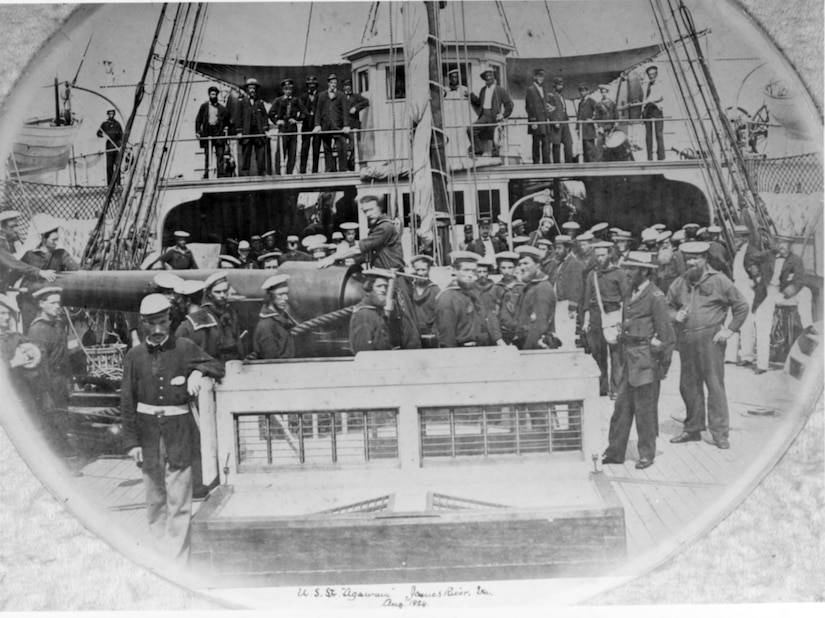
312	292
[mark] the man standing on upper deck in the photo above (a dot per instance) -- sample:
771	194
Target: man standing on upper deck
455	90
538	111
332	117
111	130
653	114
699	302
286	112
560	134
355	103
212	121
493	104
586	114
309	101
159	433
251	125
382	249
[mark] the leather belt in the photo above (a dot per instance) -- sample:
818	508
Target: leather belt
160	411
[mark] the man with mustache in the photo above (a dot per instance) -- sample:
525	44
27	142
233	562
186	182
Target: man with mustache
699	302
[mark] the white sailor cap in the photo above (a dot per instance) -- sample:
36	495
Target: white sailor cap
602	244
224	260
214	279
457	257
349	225
666	235
649	235
272	255
189	287
544	242
421	257
570	225
181	234
269	233
488	263
292	238
6	215
678	235
275	281
658	227
507	256
337	236
44	223
640	259
154	304
167	281
563	239
694	248
244	246
314	240
599	227
520	240
714	229
47	291
531	252
586	237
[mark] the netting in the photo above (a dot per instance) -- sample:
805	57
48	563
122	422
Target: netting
62	202
796	174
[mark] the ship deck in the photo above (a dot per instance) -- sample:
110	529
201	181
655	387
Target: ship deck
690	488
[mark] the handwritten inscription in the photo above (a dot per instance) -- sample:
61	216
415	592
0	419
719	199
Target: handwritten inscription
399	599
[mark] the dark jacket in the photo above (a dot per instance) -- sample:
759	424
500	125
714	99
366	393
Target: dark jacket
477	246
462	319
309	103
587	111
645	317
569	281
249	115
368	329
536	312
11	269
215	332
501	101
382	246
162	382
284	110
204	129
179	259
536	107
355	103
271	338
331	114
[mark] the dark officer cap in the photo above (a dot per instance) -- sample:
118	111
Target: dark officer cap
287	82
346	82
212	89
538	72
311	79
331	76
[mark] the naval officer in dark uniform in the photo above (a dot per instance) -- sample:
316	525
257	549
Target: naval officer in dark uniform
646	341
271	338
180	256
159	432
699	303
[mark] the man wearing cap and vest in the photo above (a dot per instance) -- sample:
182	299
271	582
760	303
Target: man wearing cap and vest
286	113
180	256
699	302
493	105
368	326
646	341
538	111
355	104
271	338
251	124
332	117
560	134
111	130
159	432
462	318
46	256
424	294
215	328
48	332
569	287
612	289
653	114
537	306
212	121
309	101
11	268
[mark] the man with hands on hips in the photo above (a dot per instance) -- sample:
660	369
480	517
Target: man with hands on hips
159	431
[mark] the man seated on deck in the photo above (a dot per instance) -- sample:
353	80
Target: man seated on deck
159	432
699	302
382	249
368	327
462	318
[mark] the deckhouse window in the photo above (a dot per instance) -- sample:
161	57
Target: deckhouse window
396	82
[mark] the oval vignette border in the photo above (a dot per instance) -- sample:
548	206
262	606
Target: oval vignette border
117	577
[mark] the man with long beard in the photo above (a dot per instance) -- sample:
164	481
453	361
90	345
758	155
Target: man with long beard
215	327
699	302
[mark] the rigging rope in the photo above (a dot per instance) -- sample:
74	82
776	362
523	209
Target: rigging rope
552	27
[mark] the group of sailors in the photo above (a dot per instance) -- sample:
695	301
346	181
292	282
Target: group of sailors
331	119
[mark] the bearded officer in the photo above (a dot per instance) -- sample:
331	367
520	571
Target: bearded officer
537	305
462	317
271	338
159	431
699	302
646	343
368	327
